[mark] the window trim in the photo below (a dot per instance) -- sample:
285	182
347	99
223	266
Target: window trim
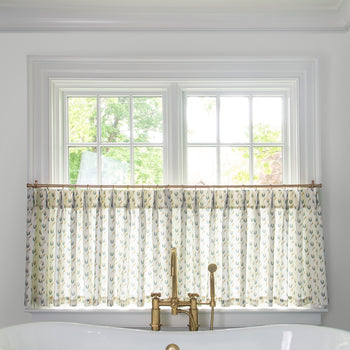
140	318
46	75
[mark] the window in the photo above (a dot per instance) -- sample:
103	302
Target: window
177	91
229	136
236	138
113	139
290	83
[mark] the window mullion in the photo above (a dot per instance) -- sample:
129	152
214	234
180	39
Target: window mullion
98	146
131	121
218	158
172	141
184	140
251	153
65	141
286	150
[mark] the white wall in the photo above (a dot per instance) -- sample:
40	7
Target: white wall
333	51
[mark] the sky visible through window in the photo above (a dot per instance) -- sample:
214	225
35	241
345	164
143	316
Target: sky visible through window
234	139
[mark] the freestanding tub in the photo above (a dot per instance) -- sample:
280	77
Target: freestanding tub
71	336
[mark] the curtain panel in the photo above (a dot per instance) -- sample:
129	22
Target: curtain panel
111	247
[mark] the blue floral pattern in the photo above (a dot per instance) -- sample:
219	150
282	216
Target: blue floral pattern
111	247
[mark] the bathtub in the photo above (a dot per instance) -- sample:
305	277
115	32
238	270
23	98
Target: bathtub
72	336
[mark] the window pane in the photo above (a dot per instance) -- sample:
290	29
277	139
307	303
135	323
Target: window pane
82	165
201	119
267	119
234	165
148	119
201	165
82	119
234	119
115	165
115	123
148	165
267	165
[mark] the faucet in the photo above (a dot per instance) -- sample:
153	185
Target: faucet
177	305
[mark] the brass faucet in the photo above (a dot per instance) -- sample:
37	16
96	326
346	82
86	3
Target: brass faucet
177	304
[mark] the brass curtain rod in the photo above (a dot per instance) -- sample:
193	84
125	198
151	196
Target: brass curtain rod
37	185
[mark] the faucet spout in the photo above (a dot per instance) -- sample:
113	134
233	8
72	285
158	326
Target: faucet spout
173	273
176	304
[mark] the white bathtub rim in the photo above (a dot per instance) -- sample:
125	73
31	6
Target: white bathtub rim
283	326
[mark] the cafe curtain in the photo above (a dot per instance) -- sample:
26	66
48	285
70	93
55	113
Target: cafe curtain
88	247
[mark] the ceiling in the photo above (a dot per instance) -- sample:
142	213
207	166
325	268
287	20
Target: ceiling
237	5
180	15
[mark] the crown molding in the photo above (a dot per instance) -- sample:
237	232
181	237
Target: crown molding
102	19
345	10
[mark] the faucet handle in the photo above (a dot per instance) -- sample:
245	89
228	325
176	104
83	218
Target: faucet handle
193	295
155	295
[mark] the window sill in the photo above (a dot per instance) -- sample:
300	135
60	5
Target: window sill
136	318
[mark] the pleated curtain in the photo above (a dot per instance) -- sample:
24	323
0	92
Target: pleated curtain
111	247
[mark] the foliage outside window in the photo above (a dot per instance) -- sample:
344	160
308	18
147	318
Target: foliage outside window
115	139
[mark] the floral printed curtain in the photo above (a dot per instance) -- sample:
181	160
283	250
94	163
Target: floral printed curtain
111	247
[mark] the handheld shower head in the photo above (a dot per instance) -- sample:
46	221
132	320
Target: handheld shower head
212	268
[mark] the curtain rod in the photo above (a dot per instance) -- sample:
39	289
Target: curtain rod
37	185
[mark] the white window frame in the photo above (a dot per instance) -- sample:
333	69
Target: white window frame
59	130
47	76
